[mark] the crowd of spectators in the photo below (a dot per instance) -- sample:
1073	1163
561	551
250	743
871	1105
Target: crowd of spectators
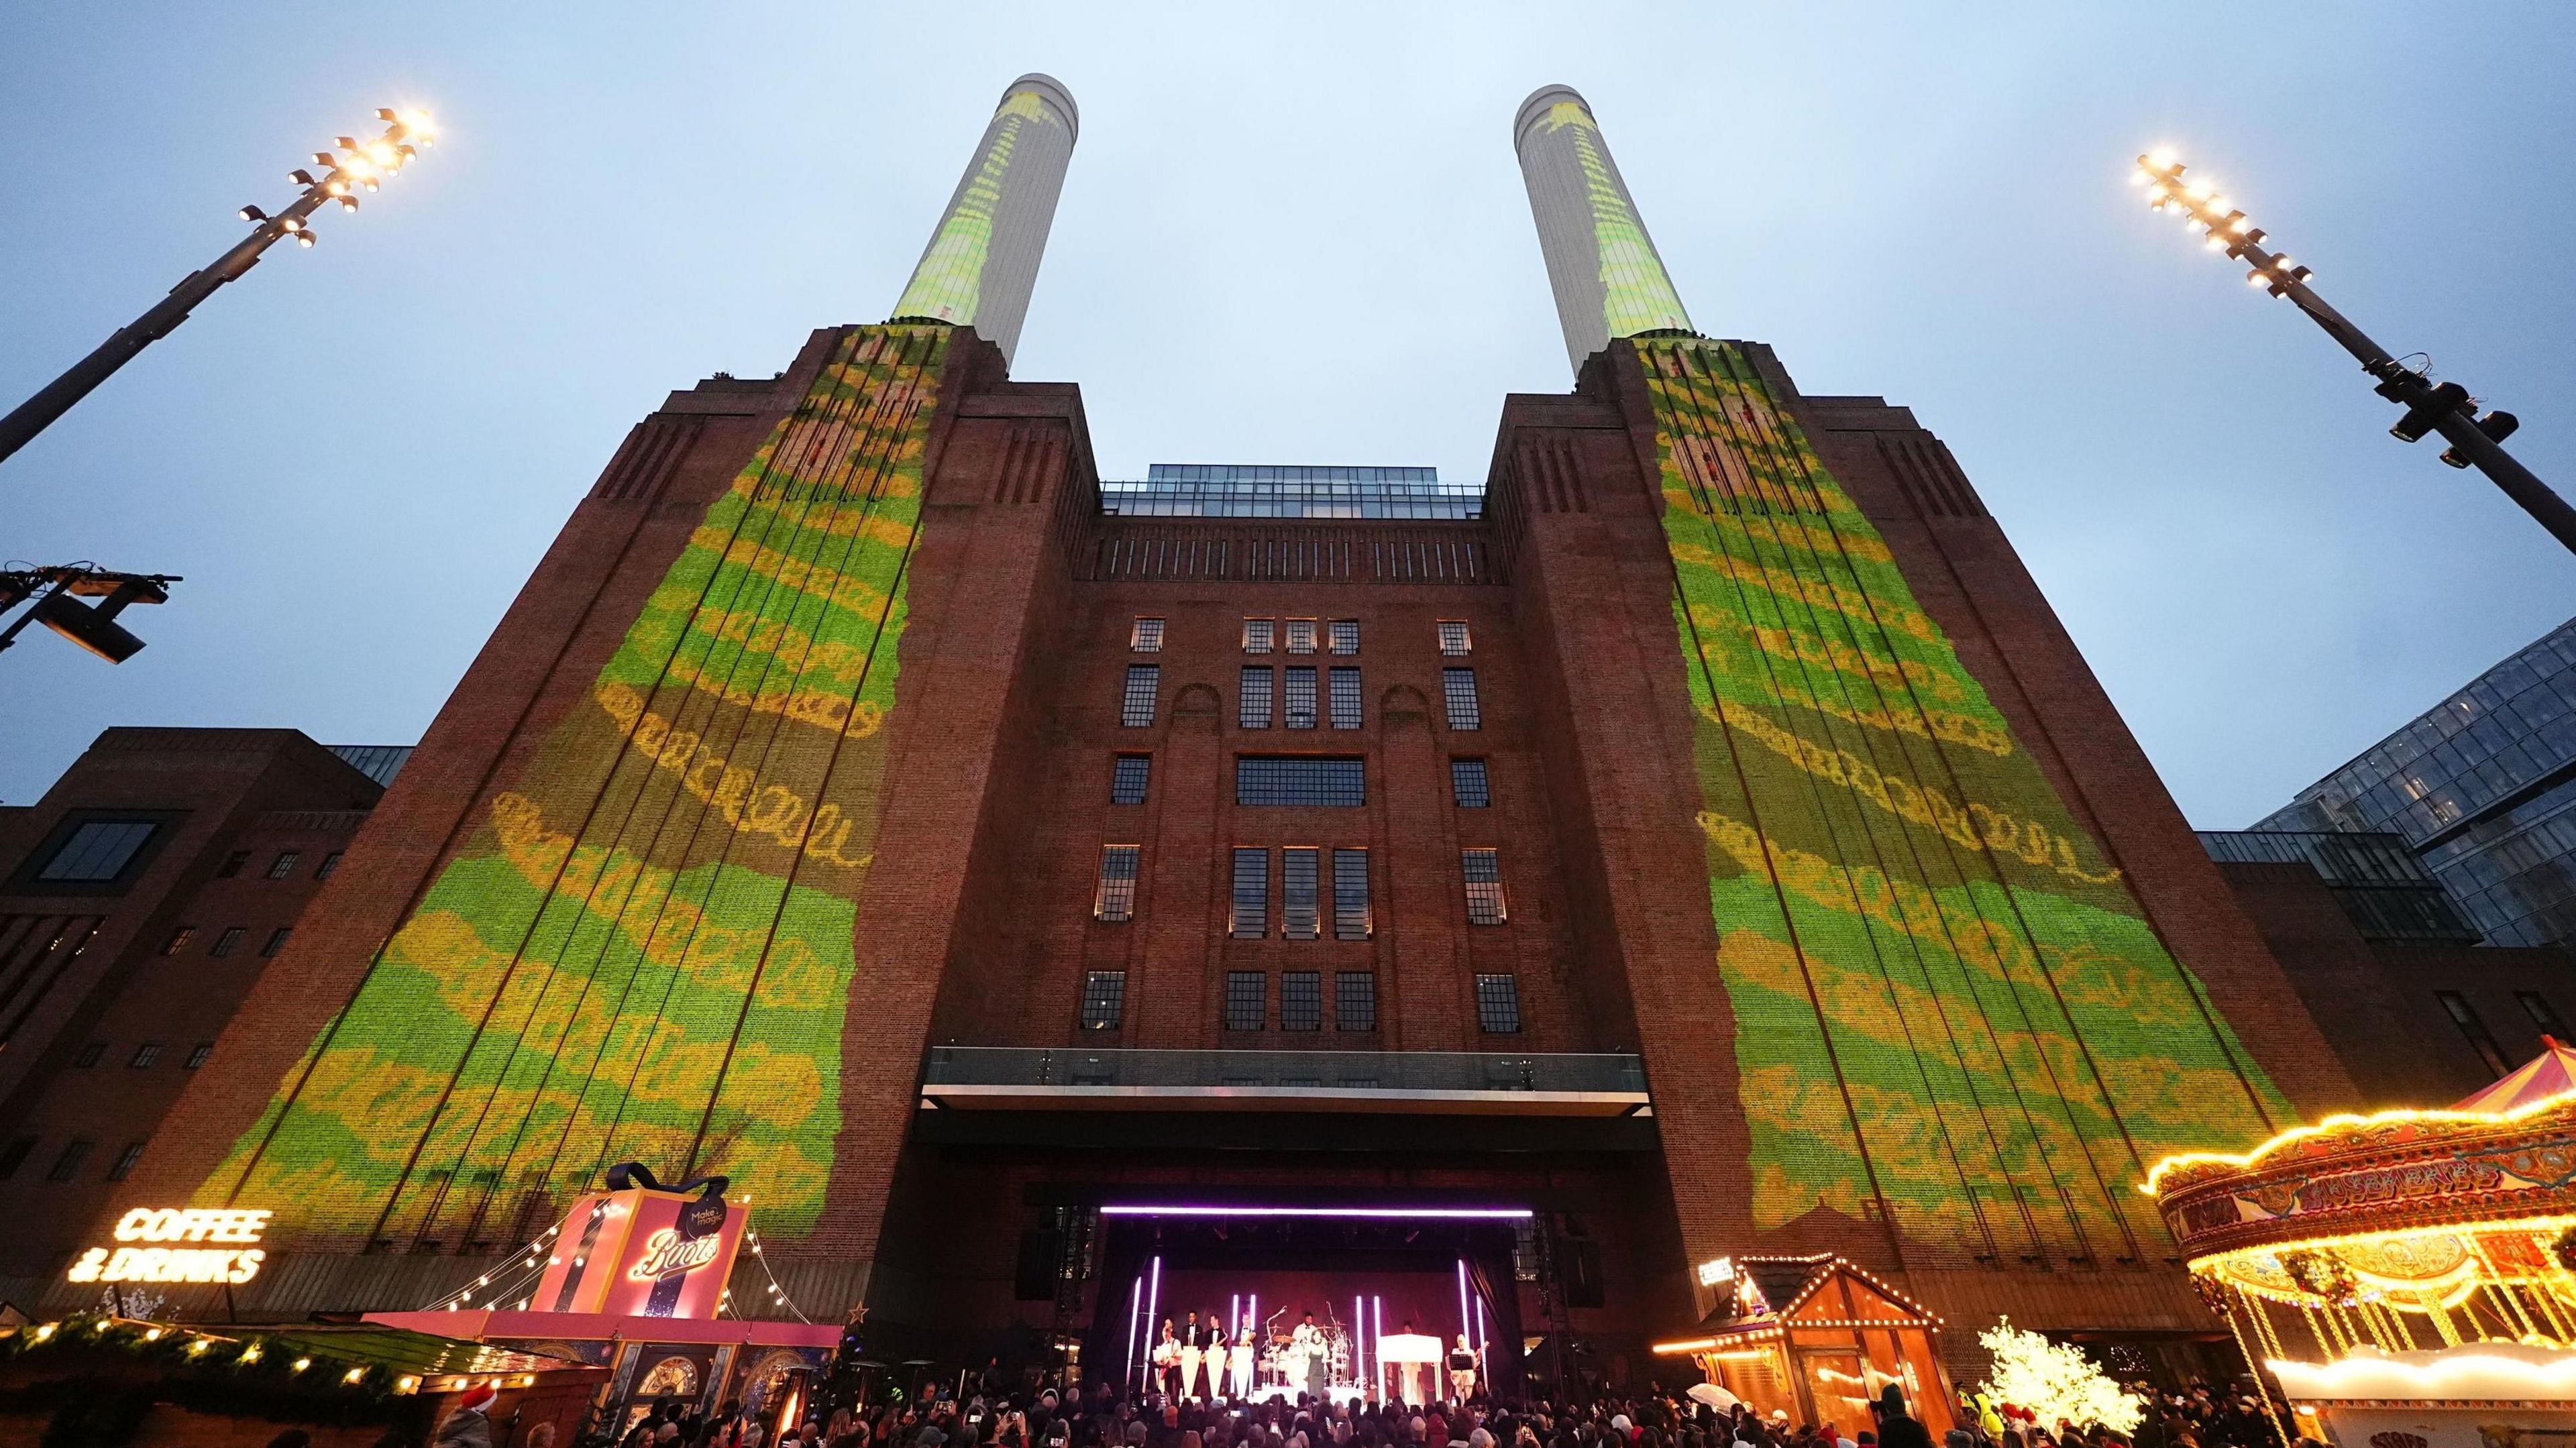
2196	1417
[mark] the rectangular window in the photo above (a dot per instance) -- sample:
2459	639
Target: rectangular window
1301	910
1346	696
232	865
1299	779
1259	634
1467	784
197	1055
229	941
1247	1000
1128	776
329	867
1301	1001
284	864
1301	696
2481	1040
1453	638
1104	999
1355	1000
1484	887
1498	1004
89	1055
1145	636
1252	698
14	1155
125	1161
1251	894
179	939
1301	635
1343	635
1458	690
1116	899
98	850
1144	688
276	942
1350	895
2543	1015
146	1055
75	1152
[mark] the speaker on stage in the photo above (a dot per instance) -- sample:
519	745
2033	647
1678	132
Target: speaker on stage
1041	1248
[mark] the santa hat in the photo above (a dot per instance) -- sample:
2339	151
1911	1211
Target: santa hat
478	1397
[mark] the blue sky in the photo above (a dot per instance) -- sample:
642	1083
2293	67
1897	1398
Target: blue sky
1296	234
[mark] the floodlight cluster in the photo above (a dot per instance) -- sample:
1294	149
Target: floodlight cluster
354	166
2205	210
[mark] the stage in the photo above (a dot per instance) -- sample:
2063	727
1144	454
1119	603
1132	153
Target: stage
1338	1301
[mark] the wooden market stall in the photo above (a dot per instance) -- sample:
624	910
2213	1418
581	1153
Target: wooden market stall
1820	1338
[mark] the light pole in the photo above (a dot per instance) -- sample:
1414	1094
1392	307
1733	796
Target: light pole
356	166
92	626
2444	407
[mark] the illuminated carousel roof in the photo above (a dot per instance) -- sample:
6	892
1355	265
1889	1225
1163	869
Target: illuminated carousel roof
2419	1203
2543	1078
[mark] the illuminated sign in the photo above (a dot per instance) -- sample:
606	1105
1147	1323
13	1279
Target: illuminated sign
1716	1270
667	1254
639	1249
233	1259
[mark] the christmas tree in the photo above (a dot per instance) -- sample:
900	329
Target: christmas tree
2055	1383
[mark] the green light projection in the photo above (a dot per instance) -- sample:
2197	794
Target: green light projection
1948	1005
644	949
949	282
1636	294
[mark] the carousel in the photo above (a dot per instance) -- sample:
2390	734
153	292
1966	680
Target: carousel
2408	1275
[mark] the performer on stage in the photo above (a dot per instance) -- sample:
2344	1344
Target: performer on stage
1167	1361
1193	1350
1462	1369
1242	1363
1314	1357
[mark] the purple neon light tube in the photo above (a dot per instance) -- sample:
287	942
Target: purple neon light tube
1185	1209
1153	1312
1135	1305
1464	1326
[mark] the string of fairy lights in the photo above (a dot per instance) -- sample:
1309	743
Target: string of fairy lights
513	1279
195	1346
777	1292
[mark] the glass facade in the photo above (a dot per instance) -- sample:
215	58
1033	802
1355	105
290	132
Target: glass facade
2374	877
2483	789
1233	490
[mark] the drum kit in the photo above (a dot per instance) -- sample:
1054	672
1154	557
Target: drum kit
1288	1359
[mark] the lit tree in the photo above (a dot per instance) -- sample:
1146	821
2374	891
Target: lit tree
2055	1382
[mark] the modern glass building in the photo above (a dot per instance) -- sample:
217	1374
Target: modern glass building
1236	490
2374	877
2483	788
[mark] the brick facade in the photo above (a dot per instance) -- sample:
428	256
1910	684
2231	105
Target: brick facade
976	923
107	1003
